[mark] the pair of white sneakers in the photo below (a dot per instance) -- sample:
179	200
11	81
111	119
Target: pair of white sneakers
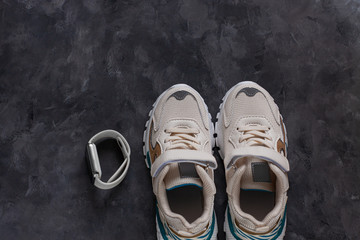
251	136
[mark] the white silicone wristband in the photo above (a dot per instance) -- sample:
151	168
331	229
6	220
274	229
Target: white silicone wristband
93	157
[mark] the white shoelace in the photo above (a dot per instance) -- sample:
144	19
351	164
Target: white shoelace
255	135
183	138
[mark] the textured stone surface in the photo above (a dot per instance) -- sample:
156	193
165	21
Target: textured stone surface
69	69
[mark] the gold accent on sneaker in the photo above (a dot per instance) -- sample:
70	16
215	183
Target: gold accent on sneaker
280	144
156	151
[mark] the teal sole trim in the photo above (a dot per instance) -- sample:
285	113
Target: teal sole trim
231	226
212	227
148	159
183	185
161	227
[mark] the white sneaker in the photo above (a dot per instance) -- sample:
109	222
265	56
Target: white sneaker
252	140
178	143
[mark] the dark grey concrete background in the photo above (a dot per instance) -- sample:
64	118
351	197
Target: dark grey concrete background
69	69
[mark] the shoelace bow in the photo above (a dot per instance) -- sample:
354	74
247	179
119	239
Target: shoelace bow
255	135
182	138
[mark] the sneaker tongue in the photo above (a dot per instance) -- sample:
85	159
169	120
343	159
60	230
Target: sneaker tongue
182	174
257	175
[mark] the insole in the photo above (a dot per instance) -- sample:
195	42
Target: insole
186	201
257	203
